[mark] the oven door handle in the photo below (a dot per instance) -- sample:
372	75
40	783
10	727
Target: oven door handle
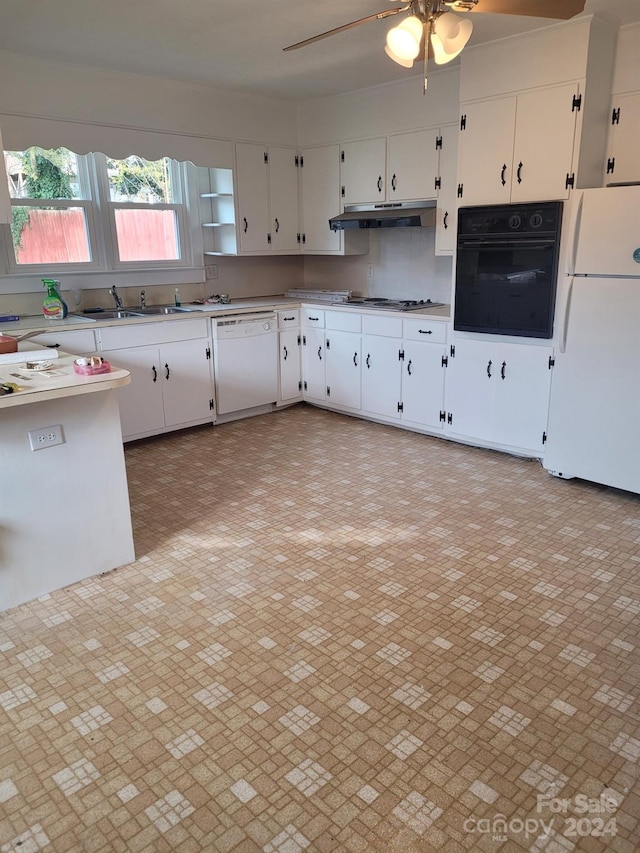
486	243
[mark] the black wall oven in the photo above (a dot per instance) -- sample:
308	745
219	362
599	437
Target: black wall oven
507	269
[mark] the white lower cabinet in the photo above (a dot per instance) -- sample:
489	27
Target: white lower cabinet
313	365
290	367
77	342
402	373
171	383
499	393
343	368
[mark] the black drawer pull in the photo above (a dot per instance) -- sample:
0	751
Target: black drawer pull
489	369
425	331
155	373
502	370
168	374
285	354
320	353
286	319
315	319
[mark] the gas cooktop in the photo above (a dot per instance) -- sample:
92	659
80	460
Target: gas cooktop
390	304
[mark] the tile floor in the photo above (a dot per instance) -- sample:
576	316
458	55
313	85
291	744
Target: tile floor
337	636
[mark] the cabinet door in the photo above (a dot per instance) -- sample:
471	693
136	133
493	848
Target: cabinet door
320	177
313	364
523	377
253	198
412	165
141	409
622	161
290	341
485	151
473	375
283	194
363	171
185	377
543	149
447	211
381	375
423	384
342	351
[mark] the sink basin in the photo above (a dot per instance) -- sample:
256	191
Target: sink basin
115	315
163	309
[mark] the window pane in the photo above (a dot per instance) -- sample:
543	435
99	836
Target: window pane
45	235
41	173
146	235
138	180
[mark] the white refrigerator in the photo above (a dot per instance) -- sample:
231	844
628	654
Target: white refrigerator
594	415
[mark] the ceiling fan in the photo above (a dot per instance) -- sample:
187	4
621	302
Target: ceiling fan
431	29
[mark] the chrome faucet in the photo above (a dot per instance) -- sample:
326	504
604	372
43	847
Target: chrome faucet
143	299
116	296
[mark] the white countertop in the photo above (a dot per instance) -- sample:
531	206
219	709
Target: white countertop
60	381
38	323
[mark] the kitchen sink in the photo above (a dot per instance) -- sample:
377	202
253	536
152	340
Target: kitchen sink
115	315
162	309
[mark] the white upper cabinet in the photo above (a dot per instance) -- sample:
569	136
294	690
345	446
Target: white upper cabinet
267	199
518	148
447	210
363	168
622	163
398	167
320	200
412	165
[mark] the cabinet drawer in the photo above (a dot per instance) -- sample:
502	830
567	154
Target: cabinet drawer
343	321
117	337
432	332
388	327
312	317
289	319
79	342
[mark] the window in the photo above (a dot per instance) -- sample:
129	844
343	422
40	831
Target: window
50	207
91	212
144	201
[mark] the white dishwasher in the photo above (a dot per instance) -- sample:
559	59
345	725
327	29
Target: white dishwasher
245	360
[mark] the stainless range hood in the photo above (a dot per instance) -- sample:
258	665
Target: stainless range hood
410	214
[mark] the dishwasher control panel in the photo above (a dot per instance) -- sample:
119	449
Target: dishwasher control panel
244	326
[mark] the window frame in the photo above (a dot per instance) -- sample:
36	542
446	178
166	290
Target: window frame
101	225
180	208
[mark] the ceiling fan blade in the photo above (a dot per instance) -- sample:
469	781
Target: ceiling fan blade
559	9
386	13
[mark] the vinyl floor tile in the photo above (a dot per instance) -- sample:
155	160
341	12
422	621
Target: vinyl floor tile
336	636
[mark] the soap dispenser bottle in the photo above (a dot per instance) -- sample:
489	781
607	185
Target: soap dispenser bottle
53	306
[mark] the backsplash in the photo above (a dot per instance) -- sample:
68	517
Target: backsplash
403	263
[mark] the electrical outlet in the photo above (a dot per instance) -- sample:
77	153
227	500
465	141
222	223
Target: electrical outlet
46	437
370	271
211	271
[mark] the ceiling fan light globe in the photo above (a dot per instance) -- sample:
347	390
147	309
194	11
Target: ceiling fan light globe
406	63
404	40
450	35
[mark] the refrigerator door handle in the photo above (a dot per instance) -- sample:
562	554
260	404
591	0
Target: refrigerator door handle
574	225
567	311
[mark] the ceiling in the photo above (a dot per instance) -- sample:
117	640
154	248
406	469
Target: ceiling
237	45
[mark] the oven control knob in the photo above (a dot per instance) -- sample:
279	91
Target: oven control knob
536	220
514	221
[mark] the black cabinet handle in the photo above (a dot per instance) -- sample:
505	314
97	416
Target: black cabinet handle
246	224
502	369
489	368
314	318
287	319
355	359
425	331
502	180
409	367
320	353
394	183
168	373
155	373
379	183
519	172
277	225
368	361
444	221
285	354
